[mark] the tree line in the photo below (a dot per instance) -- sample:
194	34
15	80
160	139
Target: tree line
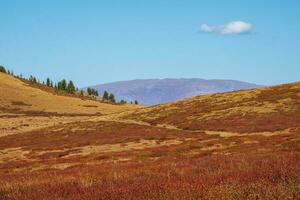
69	88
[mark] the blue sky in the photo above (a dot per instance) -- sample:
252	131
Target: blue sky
101	41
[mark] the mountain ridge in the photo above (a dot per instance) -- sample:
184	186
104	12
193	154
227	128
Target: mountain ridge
157	91
268	108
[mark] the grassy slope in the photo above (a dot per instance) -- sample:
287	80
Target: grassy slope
264	109
210	147
18	97
25	107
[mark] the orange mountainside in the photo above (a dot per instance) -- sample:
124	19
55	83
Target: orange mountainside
237	145
264	109
20	97
25	106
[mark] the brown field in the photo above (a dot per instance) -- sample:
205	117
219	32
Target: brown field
238	145
264	109
19	97
26	107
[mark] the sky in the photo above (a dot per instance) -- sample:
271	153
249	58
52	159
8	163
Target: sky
97	41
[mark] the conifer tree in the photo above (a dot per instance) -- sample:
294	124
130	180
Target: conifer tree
2	69
111	98
89	91
48	82
58	85
92	92
71	88
123	101
32	79
63	85
105	95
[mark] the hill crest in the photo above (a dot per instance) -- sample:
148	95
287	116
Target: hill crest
157	91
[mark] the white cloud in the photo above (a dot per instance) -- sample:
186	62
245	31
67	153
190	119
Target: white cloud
231	28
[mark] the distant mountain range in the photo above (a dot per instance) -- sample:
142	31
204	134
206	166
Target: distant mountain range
157	91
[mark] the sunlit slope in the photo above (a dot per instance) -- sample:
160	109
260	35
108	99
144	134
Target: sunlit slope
19	97
263	109
242	145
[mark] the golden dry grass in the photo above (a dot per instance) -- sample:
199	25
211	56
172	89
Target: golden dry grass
122	147
235	134
22	123
258	110
12	154
20	97
25	108
238	145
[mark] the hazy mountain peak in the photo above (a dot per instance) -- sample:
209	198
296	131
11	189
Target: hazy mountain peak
157	91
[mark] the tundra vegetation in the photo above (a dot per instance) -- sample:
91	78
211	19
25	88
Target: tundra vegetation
236	145
68	87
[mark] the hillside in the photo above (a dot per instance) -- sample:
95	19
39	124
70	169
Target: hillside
24	107
236	145
157	91
264	109
17	96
